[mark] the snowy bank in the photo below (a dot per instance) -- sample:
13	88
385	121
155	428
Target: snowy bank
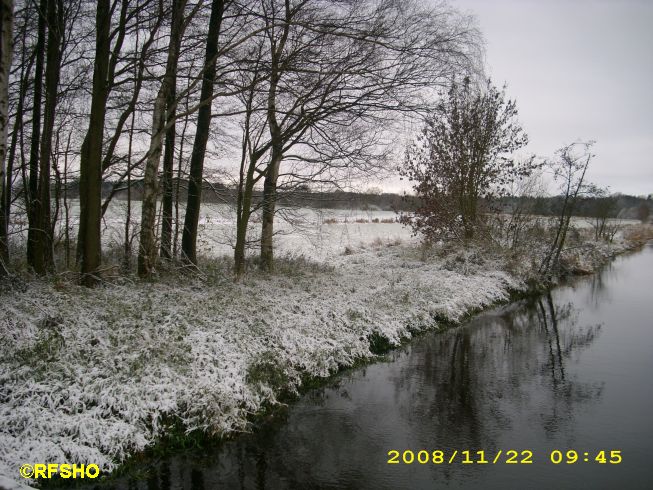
92	376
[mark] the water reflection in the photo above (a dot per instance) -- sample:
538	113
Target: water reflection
599	285
471	379
515	377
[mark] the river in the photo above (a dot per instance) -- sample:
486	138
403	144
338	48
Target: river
570	370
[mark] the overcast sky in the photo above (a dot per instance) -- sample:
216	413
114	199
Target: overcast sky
578	69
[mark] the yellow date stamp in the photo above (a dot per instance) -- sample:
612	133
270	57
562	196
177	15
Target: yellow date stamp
499	456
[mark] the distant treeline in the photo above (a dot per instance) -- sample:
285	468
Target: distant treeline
217	192
616	206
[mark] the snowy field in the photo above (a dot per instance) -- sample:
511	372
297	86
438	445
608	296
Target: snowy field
92	376
316	234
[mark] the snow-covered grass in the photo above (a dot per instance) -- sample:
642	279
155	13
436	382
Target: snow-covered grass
92	376
89	376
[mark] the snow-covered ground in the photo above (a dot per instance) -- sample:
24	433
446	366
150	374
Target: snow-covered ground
92	376
87	376
318	234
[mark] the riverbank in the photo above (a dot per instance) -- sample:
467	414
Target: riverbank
93	376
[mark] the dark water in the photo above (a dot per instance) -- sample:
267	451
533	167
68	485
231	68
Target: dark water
570	370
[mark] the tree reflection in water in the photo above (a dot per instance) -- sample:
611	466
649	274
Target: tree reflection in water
475	378
463	388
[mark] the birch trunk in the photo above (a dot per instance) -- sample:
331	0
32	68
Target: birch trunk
147	253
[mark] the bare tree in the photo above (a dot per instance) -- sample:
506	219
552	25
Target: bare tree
16	147
517	227
602	207
318	83
332	66
140	58
569	171
254	146
6	48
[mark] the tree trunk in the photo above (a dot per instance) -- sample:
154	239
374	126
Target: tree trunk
269	205
164	99
245	187
239	249
66	205
277	142
127	252
57	186
43	257
147	244
169	152
546	263
32	195
6	31
189	234
5	205
89	241
110	58
168	170
175	241
242	220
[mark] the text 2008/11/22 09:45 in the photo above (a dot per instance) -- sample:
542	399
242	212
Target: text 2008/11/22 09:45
511	456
